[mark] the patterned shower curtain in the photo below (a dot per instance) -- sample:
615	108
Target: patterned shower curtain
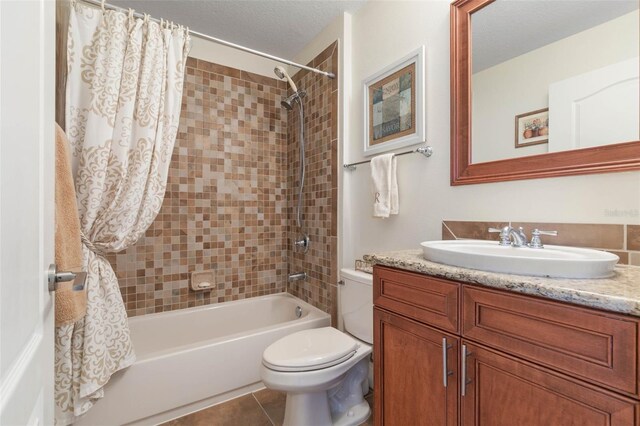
123	99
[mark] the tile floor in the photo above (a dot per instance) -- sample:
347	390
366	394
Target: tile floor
261	408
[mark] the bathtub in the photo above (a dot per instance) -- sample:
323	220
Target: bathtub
193	358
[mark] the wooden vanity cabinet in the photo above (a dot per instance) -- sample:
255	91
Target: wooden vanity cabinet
527	361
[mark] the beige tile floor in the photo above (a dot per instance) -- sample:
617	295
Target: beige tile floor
261	408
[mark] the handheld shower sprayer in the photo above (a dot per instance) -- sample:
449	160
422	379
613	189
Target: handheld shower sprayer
301	244
282	73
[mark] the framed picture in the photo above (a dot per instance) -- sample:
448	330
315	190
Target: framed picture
532	128
394	105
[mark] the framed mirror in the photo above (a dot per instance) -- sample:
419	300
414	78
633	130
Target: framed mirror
543	89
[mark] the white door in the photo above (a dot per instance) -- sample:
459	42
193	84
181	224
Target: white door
27	67
596	108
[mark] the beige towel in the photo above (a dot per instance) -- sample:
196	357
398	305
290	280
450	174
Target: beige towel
385	185
70	305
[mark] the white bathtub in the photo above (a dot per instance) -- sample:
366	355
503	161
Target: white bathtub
193	358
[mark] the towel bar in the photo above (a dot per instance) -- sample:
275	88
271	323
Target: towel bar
56	277
427	151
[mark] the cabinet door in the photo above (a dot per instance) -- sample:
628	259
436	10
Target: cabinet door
410	383
504	391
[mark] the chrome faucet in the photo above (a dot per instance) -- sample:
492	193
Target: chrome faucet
510	236
298	276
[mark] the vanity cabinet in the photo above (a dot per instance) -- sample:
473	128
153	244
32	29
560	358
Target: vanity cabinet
448	353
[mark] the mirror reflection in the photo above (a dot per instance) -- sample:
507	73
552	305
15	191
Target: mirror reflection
552	76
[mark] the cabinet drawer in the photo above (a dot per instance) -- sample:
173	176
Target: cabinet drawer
592	345
426	299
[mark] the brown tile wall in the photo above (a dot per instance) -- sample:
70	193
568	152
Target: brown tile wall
623	240
320	202
226	203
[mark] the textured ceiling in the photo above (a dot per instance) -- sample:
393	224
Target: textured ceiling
509	28
279	27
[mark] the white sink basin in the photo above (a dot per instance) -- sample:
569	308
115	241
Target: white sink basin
550	261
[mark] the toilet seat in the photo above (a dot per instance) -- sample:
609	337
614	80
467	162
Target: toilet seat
310	350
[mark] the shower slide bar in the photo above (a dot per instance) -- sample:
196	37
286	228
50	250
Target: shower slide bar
427	151
99	3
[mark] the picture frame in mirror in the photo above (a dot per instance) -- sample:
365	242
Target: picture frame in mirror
532	128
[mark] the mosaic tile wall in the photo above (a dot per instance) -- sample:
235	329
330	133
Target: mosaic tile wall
320	208
622	240
226	203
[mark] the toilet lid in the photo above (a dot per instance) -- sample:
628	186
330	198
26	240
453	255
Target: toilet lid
307	350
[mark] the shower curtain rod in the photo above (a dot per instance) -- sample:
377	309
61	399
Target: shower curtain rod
98	3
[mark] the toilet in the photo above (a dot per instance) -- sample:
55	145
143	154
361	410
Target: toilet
325	372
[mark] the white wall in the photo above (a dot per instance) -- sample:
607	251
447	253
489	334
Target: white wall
223	55
522	84
332	32
385	31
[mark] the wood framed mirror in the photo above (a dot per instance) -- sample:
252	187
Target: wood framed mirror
555	130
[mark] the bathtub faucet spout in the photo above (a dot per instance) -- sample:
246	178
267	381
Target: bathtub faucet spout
298	276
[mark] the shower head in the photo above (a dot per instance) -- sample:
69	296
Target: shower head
281	73
287	102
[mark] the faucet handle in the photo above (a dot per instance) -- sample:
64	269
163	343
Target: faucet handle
541	232
536	242
505	238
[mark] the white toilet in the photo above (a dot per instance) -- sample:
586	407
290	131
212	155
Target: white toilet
324	371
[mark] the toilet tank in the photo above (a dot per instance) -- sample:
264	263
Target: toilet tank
356	304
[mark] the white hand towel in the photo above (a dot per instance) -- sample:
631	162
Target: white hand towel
385	185
394	206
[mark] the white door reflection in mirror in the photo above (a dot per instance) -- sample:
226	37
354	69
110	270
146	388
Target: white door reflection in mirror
596	108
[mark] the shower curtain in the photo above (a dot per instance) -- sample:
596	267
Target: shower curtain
123	99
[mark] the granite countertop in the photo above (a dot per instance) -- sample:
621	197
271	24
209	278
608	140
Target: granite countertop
620	293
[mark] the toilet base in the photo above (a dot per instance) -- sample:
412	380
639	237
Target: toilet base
342	405
356	415
300	405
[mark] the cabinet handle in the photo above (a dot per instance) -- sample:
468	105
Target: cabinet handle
463	373
445	369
